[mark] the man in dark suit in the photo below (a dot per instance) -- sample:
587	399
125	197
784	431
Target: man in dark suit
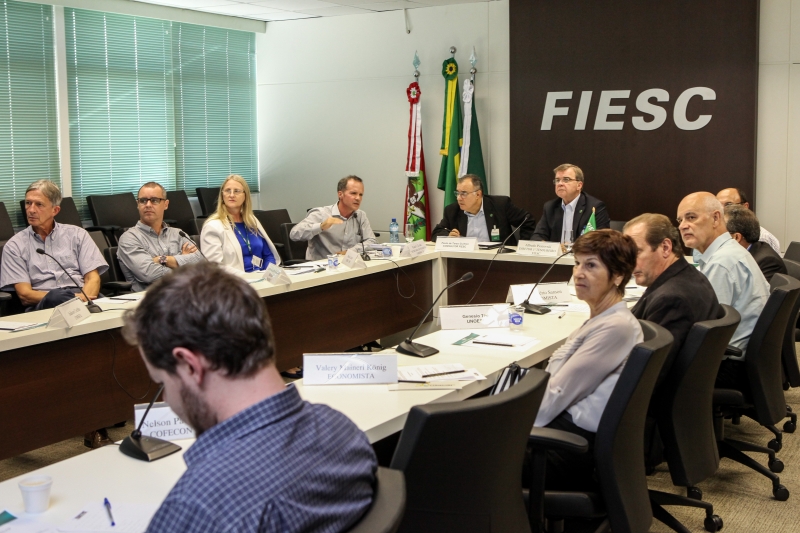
572	205
489	218
745	229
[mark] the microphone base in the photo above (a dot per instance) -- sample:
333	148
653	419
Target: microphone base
94	308
147	448
417	350
505	250
535	309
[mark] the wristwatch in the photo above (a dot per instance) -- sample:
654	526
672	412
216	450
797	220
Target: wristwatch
163	260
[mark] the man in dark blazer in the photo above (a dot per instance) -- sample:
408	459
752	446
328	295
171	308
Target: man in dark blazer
571	203
745	229
489	218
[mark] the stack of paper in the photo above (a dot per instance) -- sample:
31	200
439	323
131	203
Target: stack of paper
428	377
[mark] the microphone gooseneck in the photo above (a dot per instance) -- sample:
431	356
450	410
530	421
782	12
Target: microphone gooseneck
183	234
136	433
93	308
540	309
502	249
364	254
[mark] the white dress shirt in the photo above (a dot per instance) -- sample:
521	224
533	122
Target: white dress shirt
476	225
569	216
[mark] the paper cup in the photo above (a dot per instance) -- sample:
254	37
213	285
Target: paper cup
396	251
36	493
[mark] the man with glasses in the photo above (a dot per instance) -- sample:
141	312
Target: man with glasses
565	218
37	279
151	249
489	218
738	197
743	226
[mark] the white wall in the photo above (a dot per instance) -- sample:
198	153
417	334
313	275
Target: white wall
332	102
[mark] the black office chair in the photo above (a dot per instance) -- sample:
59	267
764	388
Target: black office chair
6	299
793	252
180	214
683	409
618	224
113	213
67	215
207	196
6	226
294	250
619	454
764	401
272	220
388	504
462	461
791	369
111	283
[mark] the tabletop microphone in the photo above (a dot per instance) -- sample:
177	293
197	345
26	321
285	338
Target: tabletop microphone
93	308
146	448
502	249
183	234
540	309
420	350
364	255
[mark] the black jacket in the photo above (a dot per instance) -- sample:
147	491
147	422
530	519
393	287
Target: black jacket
498	211
550	225
768	260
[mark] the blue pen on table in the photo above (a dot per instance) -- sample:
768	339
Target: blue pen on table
107	505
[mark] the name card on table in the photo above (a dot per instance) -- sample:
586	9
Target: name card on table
353	260
276	275
68	314
457	244
474	316
161	422
539	248
545	293
348	369
414	249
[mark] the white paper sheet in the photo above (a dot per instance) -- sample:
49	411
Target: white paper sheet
128	518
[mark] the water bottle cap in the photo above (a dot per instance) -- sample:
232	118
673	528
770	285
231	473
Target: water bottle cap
394	220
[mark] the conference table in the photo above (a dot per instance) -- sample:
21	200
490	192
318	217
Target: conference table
379	412
57	383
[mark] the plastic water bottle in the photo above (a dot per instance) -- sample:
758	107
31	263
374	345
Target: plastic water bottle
394	231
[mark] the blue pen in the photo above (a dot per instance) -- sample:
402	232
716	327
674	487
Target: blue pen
108	509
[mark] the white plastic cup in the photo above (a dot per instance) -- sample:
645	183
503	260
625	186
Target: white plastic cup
333	262
396	251
516	317
36	493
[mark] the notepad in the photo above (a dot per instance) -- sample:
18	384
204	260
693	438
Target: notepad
93	518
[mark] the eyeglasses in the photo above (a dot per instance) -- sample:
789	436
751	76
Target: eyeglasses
726	204
235	192
565	181
154	201
464	194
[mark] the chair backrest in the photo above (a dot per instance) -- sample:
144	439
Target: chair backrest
618	224
113	209
67	215
6	226
102	244
619	451
793	252
110	255
180	210
463	461
388	504
765	348
207	196
294	249
791	369
272	220
684	401
14	306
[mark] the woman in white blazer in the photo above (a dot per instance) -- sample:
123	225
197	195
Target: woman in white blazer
232	236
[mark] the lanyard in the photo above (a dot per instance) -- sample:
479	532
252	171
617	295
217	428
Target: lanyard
244	237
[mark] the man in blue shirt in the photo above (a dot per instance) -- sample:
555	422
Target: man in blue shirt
264	460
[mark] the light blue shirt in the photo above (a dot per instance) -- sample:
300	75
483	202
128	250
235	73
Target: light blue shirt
738	282
476	225
569	216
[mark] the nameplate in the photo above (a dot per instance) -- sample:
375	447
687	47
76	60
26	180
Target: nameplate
545	293
68	314
474	316
161	422
457	244
348	369
539	248
353	260
276	275
414	249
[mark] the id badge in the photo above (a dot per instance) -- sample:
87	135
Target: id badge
495	234
257	261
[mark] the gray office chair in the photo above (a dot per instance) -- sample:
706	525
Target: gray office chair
388	504
793	252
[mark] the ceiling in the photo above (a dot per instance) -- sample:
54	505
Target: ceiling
273	10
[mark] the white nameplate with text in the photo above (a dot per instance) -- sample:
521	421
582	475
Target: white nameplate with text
414	249
277	276
353	260
68	314
456	244
161	422
474	316
348	369
539	248
545	293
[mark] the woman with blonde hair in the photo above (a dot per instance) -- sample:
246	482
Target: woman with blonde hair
232	236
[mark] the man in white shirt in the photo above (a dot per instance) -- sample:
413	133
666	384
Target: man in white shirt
738	197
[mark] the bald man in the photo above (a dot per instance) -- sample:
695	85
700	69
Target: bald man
733	196
732	271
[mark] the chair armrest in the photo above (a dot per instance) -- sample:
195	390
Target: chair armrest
277	245
290	262
171	221
734	351
555	439
117	287
376	233
5	297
